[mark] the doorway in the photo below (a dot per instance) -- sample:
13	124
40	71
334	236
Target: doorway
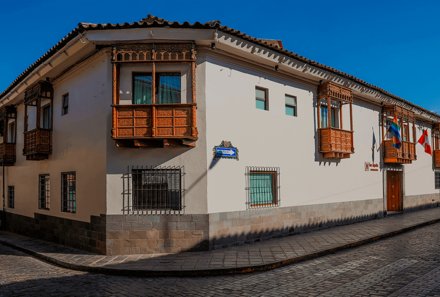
394	190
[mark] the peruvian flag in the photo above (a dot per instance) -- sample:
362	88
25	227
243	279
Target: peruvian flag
424	140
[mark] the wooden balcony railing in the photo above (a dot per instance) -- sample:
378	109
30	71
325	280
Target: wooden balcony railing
37	144
7	154
335	143
404	155
437	159
155	121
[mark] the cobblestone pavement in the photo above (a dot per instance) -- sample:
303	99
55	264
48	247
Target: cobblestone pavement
405	265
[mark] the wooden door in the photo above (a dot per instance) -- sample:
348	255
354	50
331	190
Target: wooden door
394	190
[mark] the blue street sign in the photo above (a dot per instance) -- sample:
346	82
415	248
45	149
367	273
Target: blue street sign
226	152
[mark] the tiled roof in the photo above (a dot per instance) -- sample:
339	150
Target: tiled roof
153	21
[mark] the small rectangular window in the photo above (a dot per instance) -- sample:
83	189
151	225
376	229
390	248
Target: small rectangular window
263	186
44	191
261	98
11	196
290	104
65	106
437	179
68	192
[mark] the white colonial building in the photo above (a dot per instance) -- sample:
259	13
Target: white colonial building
158	136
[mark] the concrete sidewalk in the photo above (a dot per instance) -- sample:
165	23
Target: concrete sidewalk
247	258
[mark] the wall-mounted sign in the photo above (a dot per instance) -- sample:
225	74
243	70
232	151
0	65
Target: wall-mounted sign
226	150
371	166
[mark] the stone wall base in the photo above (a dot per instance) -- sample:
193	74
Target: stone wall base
150	234
416	202
82	235
241	227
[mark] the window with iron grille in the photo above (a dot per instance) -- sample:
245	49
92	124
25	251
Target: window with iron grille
44	191
11	196
68	192
262	186
437	179
65	106
154	190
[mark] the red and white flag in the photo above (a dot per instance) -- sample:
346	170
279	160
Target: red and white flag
424	140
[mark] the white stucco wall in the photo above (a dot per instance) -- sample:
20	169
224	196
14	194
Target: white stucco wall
270	138
78	143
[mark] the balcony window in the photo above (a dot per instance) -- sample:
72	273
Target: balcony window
46	117
142	88
168	88
11	132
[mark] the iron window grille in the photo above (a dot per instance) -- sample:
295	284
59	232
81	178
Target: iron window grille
11	196
44	191
68	192
153	190
437	179
262	187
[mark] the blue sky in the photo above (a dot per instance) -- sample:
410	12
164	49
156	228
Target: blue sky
392	44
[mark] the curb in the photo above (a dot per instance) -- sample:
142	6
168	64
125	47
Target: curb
213	272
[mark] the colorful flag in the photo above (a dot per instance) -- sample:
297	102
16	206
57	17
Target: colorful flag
424	140
394	129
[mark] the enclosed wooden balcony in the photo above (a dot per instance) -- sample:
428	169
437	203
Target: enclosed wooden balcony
143	123
7	154
404	119
37	144
403	155
162	112
38	116
336	143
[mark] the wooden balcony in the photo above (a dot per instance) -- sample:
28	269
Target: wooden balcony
404	155
37	144
155	124
335	143
436	154
7	154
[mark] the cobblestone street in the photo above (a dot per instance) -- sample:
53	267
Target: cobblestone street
406	265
